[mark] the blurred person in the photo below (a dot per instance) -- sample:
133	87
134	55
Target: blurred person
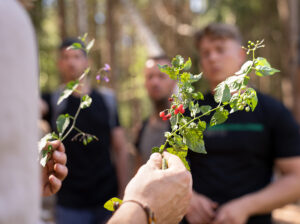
93	176
159	87
233	182
166	193
21	184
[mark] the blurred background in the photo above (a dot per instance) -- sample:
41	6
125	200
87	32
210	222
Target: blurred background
128	31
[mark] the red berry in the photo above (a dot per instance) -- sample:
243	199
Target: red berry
168	116
182	111
164	118
162	114
176	111
174	107
180	107
170	99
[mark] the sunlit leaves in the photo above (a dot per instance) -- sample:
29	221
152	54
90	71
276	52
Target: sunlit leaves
263	67
222	93
182	155
90	45
62	123
86	101
70	88
219	117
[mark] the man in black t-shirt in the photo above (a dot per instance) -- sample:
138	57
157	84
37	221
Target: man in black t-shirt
93	178
232	182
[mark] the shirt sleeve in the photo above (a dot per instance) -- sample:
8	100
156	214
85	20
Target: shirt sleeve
285	132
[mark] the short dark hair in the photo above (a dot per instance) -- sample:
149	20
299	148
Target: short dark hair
67	42
218	31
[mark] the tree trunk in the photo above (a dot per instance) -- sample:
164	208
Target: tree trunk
62	19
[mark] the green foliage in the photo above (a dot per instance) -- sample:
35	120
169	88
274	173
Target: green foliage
62	123
112	204
70	88
233	94
86	101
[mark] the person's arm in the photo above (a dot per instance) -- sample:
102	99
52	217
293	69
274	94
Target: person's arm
129	213
166	192
119	146
280	192
55	170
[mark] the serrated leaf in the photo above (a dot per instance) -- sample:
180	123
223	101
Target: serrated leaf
70	87
86	101
222	93
204	109
219	117
187	64
62	122
75	46
252	101
109	205
185	77
90	45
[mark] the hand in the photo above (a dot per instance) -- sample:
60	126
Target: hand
166	192
201	209
233	212
55	170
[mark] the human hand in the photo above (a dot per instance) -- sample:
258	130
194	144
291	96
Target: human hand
233	212
55	170
201	209
167	192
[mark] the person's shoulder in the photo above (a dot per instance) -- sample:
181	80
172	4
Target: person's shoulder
269	104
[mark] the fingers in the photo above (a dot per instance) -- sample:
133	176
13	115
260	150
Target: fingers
55	184
173	161
61	171
59	157
155	161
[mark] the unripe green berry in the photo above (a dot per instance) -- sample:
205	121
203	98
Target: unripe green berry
247	109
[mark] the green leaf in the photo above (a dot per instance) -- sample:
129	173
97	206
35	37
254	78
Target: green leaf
222	93
219	117
178	61
90	45
235	82
86	101
109	205
185	77
195	78
252	98
155	149
62	122
182	155
187	64
204	109
169	71
45	155
193	138
202	125
75	46
194	108
263	67
198	96
43	141
70	87
246	67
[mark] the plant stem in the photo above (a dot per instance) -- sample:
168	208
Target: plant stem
73	124
172	134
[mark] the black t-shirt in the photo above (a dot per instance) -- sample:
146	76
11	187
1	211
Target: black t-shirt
241	152
91	180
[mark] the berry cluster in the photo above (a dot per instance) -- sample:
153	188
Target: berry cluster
176	109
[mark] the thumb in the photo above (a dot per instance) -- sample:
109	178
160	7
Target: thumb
155	161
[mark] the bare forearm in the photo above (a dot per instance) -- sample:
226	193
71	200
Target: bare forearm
129	213
283	191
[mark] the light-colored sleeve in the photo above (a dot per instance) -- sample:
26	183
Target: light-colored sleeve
19	169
